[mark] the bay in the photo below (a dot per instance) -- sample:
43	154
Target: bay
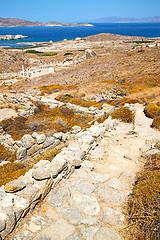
45	34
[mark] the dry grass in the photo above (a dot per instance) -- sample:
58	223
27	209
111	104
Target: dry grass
6	154
143	205
124	114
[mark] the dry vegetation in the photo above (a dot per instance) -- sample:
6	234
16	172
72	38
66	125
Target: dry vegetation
142	209
152	110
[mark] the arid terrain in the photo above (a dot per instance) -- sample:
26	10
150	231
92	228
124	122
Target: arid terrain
79	126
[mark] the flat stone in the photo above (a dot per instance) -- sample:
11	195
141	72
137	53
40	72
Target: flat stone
27	141
127	174
2	223
57	196
48	142
98	153
36	223
72	214
117	184
112	216
87	204
40	138
151	153
82	187
89	232
24	235
28	195
56	166
10	221
41	173
32	150
59	230
106	234
89	220
74	237
88	164
111	196
41	163
21	153
14	186
98	178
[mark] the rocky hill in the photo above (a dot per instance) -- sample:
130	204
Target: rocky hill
16	22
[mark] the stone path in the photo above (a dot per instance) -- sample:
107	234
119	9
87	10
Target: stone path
88	205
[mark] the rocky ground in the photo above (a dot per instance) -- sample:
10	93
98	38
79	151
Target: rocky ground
88	205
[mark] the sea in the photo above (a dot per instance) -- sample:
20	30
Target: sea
45	34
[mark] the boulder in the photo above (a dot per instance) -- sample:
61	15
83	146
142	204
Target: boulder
27	141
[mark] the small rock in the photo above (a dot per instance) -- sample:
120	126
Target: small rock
82	187
14	186
74	237
41	173
57	196
2	223
21	153
106	234
89	220
111	196
27	141
41	138
117	184
98	178
10	221
151	153
112	216
88	204
72	214
59	230
42	163
76	129
24	235
48	142
89	232
127	174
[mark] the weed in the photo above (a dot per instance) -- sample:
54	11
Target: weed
68	53
32	51
49	54
152	110
124	114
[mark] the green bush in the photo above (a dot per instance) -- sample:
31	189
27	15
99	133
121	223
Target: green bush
68	53
32	51
49	54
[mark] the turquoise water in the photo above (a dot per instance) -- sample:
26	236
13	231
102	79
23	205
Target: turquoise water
45	34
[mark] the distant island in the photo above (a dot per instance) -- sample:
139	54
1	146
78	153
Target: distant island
13	37
127	20
16	22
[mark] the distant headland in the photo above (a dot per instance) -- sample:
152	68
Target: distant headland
16	22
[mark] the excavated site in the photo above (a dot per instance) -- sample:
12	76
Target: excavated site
80	139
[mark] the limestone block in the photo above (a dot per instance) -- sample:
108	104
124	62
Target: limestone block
21	153
40	138
41	173
41	163
27	141
14	186
76	129
10	221
58	135
48	142
32	150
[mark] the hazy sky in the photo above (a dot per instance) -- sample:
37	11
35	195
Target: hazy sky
77	10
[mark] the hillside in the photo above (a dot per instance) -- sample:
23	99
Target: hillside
16	22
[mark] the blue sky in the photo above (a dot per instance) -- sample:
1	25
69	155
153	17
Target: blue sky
77	10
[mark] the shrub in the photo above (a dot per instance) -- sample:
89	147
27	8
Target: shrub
11	171
6	154
68	53
50	88
156	122
124	114
32	51
152	110
143	207
49	54
64	98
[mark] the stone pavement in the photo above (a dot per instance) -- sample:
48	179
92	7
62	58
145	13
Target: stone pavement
88	205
